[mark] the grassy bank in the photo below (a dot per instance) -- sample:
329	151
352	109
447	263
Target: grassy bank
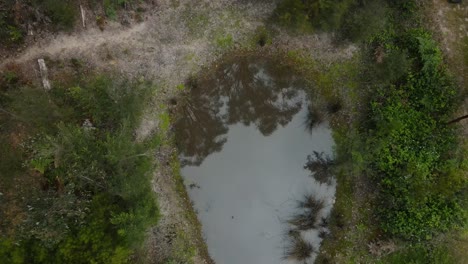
75	183
401	169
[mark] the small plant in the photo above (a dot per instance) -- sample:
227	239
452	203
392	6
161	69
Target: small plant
303	221
101	22
62	13
15	34
262	37
310	203
180	87
308	218
299	250
225	42
165	121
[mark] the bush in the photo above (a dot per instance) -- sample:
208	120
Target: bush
293	13
412	146
62	12
96	200
313	14
9	32
420	254
365	20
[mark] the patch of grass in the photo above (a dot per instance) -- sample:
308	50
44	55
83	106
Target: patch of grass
224	41
464	44
197	23
420	254
186	248
182	249
164	122
110	8
180	87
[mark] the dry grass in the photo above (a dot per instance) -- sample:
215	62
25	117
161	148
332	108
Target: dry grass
307	219
299	250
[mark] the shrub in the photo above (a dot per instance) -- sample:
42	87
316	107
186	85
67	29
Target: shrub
313	14
411	146
420	254
299	250
96	201
292	13
62	12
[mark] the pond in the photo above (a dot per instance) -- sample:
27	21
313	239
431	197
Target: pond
244	136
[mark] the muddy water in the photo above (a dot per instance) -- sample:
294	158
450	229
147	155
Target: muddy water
243	141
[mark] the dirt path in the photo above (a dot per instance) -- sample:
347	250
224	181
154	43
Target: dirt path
173	42
450	22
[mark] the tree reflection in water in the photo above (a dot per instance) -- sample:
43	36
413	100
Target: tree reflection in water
247	90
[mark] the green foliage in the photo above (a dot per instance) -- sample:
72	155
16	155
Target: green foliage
420	254
464	47
412	146
62	12
395	66
108	104
292	13
11	159
180	87
96	201
14	34
9	32
182	250
111	7
365	20
313	14
225	41
165	121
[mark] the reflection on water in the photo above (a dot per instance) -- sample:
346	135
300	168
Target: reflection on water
241	92
244	144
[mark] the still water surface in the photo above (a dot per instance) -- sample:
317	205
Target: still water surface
243	143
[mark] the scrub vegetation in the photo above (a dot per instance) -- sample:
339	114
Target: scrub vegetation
75	184
399	143
17	17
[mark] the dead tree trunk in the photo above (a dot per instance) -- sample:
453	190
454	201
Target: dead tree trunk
44	74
